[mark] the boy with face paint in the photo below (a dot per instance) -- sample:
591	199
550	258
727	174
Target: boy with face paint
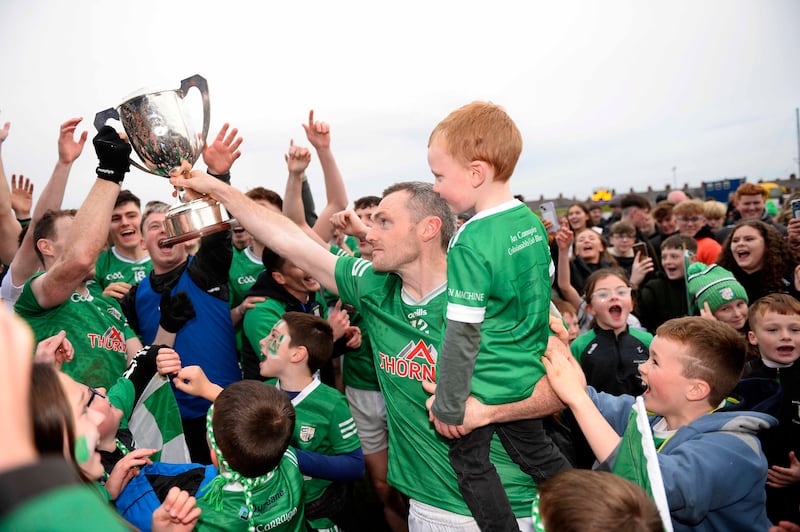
325	437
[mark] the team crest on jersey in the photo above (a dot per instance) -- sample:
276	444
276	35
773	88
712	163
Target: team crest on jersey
726	293
114	312
417	361
307	433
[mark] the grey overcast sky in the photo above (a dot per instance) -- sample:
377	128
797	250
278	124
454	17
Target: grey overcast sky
606	93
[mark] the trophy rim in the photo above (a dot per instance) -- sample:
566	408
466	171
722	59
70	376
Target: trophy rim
190	235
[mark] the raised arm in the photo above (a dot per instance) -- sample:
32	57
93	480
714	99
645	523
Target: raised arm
89	230
9	226
26	262
564	239
568	381
297	160
319	135
274	230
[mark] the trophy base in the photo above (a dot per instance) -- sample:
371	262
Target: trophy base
199	217
197	233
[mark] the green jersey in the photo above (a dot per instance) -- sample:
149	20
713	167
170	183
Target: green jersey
245	268
243	273
112	267
498	276
278	504
94	324
405	334
323	425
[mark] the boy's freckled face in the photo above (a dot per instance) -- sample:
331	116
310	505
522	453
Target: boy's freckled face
451	178
777	337
275	351
662	374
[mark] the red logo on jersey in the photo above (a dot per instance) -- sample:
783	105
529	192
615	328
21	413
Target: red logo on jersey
416	361
112	340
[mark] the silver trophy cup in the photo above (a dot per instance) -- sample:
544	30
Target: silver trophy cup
159	129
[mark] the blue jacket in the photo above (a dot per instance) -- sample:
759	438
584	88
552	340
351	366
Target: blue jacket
713	468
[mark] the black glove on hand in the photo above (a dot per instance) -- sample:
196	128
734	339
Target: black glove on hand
175	311
113	154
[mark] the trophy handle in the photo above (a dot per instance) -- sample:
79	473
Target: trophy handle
102	117
201	84
100	120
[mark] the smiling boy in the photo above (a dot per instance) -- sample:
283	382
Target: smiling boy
694	363
775	330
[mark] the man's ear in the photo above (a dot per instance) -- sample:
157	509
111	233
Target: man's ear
429	228
45	246
279	278
698	390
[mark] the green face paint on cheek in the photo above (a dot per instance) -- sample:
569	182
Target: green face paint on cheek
82	453
274	345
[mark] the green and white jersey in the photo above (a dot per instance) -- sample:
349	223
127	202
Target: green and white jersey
94	324
244	270
405	334
243	273
278	504
498	275
111	267
324	425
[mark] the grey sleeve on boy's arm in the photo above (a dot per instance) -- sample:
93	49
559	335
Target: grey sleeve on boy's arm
454	371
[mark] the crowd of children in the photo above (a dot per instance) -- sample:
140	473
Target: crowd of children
701	322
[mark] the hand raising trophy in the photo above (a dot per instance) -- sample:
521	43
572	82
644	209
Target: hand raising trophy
159	128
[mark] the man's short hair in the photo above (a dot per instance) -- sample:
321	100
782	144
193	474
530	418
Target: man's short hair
365	202
750	189
150	208
265	194
313	333
46	227
679	242
126	196
690	207
629	201
782	304
577	500
424	202
271	260
716	352
481	131
253	423
662	210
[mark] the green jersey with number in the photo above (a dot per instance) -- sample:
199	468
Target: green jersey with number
94	324
498	276
112	267
324	425
405	334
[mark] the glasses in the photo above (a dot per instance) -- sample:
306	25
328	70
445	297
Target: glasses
623	237
604	295
92	394
689	219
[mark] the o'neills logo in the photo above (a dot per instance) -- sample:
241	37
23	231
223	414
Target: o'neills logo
112	340
416	361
